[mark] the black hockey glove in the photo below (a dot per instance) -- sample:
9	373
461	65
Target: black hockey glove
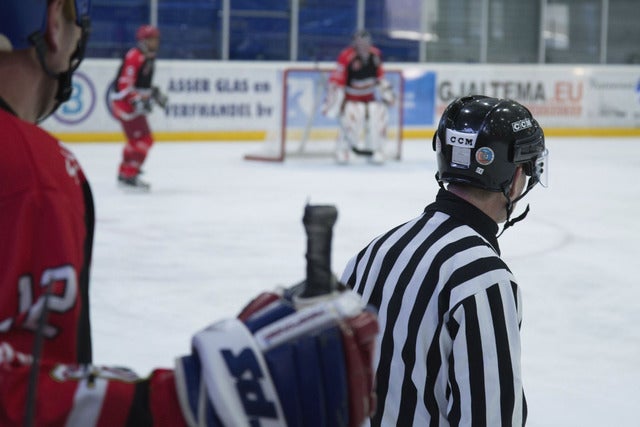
142	106
160	98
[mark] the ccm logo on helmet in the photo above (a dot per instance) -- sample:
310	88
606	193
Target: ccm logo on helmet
521	125
461	139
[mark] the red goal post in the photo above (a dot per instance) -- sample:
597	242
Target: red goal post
301	130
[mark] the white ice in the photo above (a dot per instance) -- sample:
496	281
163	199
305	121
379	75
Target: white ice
216	230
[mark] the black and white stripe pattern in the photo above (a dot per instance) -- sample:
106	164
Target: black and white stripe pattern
449	309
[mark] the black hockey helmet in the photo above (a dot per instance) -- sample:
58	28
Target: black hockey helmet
481	140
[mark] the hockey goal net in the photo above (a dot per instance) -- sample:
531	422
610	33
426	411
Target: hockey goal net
301	130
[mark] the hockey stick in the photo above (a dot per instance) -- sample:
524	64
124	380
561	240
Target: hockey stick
361	152
32	391
318	223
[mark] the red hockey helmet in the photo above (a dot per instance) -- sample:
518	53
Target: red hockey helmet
147	32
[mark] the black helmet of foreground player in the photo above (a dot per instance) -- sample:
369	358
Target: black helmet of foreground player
23	24
480	141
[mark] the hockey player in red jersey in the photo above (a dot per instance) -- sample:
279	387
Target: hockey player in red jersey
131	97
47	375
359	94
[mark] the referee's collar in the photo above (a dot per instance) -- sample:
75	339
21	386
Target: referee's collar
467	213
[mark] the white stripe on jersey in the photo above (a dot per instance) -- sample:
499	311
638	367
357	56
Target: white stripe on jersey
87	402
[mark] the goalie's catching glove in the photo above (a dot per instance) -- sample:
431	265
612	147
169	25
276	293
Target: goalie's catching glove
282	366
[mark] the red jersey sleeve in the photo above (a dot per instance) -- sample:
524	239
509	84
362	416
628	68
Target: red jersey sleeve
340	74
85	395
128	75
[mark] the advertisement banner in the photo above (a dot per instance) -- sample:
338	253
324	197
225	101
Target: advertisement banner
221	100
203	97
555	95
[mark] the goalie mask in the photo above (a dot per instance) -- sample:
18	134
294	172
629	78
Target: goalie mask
23	24
361	41
480	141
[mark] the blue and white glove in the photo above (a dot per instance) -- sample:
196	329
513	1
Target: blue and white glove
282	366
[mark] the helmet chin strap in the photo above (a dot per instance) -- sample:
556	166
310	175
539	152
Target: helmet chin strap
510	204
64	78
509	222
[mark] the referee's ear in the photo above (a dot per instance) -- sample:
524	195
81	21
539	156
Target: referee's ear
517	183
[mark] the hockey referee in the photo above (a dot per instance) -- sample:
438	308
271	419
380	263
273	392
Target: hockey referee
449	307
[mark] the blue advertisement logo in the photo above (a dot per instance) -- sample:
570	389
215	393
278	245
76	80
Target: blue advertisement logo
420	99
82	101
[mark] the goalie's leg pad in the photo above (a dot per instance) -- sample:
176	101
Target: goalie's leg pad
235	375
282	364
188	368
197	409
257	304
315	365
357	334
289	371
335	374
352	122
377	125
269	314
313	379
311	371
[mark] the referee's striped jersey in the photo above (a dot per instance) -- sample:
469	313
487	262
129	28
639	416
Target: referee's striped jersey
449	309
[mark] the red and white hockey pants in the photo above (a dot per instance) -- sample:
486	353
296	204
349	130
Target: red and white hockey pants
139	142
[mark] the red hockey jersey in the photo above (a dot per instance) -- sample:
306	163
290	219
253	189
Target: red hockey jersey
46	236
359	77
133	82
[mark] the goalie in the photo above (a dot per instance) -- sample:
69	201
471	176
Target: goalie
359	96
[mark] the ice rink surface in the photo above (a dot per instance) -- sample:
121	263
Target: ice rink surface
216	230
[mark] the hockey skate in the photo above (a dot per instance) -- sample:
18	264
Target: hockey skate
377	158
342	156
133	183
